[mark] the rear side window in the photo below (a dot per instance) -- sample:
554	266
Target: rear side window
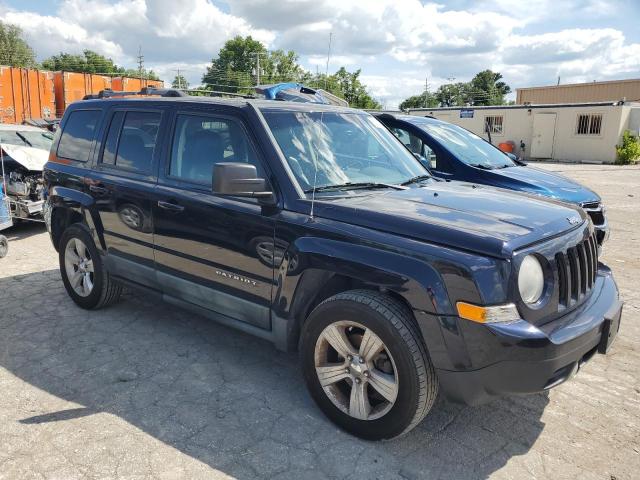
77	136
200	142
131	140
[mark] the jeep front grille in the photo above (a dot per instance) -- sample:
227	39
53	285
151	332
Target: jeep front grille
577	269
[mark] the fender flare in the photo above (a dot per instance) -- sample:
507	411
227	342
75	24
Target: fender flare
71	199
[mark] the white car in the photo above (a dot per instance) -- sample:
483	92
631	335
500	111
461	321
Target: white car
24	151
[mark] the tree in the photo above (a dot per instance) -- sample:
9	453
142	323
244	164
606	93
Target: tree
424	100
180	82
92	62
234	70
14	50
281	67
486	88
453	94
235	65
348	86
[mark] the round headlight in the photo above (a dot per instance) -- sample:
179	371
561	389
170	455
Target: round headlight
530	279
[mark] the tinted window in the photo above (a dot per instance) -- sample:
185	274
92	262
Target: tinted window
199	142
78	134
111	144
137	140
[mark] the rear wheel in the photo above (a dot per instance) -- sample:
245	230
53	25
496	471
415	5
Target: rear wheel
83	274
366	366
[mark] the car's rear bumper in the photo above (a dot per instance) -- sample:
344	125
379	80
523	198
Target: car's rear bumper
518	358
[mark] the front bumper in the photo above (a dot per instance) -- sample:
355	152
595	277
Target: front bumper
483	361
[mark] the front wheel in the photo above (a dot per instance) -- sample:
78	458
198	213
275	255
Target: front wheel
366	365
86	280
4	246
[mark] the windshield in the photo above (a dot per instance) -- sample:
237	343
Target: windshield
467	146
27	138
330	148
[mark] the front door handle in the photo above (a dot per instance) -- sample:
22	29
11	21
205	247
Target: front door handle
97	189
170	206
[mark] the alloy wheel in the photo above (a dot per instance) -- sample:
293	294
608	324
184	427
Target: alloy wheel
356	370
79	267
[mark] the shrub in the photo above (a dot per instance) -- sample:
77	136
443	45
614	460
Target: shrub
629	152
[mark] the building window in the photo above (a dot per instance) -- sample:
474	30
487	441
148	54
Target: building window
589	124
493	124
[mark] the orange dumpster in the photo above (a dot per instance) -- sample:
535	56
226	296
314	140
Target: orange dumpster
26	94
73	86
130	84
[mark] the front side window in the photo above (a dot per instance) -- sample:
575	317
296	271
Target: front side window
466	146
199	142
324	149
77	136
416	145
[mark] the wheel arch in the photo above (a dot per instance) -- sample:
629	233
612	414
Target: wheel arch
327	267
69	206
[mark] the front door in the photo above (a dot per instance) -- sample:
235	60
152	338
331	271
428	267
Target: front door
544	129
212	251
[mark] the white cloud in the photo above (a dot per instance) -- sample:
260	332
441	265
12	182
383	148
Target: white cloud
395	42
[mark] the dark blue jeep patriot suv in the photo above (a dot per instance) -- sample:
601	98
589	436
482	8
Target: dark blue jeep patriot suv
313	227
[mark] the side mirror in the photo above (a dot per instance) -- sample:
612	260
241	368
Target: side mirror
238	179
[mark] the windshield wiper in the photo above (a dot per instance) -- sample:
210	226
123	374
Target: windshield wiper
481	165
349	186
24	139
416	179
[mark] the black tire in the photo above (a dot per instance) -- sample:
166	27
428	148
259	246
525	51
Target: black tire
105	291
394	324
4	246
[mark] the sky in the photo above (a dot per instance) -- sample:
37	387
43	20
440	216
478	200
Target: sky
398	44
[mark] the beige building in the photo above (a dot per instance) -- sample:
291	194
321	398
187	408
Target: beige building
584	132
610	91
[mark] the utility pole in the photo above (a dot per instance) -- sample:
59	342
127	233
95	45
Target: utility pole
257	54
177	70
140	61
426	92
326	72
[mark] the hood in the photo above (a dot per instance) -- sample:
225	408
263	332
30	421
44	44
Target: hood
461	215
540	182
32	159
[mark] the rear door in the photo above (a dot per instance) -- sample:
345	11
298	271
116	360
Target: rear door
212	251
121	184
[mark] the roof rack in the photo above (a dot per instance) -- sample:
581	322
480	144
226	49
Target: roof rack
146	91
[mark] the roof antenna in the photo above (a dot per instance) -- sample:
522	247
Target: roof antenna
315	173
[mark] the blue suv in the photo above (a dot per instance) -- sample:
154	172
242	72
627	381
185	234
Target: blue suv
458	154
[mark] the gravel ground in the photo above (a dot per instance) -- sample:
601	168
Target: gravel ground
143	391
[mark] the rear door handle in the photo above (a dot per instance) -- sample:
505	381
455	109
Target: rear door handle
170	206
97	189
